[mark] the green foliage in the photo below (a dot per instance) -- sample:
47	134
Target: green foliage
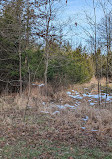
79	68
34	59
64	65
56	68
51	149
70	67
100	63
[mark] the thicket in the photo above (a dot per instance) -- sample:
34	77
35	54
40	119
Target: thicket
101	67
21	56
64	68
24	25
70	67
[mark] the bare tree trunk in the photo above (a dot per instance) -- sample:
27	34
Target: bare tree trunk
19	51
46	32
27	24
107	38
20	67
29	75
107	65
48	19
97	71
29	92
46	70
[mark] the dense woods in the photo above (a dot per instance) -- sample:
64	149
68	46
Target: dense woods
32	45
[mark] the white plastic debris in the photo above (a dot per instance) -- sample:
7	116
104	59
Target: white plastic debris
43	103
46	112
60	106
76	97
40	85
85	119
56	112
92	104
33	84
94	130
69	93
69	106
83	128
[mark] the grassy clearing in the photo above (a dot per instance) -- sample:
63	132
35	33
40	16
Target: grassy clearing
48	149
45	136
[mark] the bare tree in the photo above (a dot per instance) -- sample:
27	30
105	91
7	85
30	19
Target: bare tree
105	33
46	28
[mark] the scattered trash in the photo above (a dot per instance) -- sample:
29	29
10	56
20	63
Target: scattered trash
33	84
83	128
56	112
29	106
65	106
69	93
76	95
60	106
46	112
94	130
40	85
69	106
43	103
92	104
85	119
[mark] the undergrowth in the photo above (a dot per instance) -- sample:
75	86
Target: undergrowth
30	130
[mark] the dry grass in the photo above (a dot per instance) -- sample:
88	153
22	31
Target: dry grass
38	95
42	134
99	119
92	85
50	129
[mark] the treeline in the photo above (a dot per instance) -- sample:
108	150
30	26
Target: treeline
103	64
22	24
32	48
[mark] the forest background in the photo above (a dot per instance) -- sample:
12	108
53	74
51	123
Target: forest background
55	79
35	45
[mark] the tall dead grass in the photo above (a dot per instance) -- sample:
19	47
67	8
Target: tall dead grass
99	120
